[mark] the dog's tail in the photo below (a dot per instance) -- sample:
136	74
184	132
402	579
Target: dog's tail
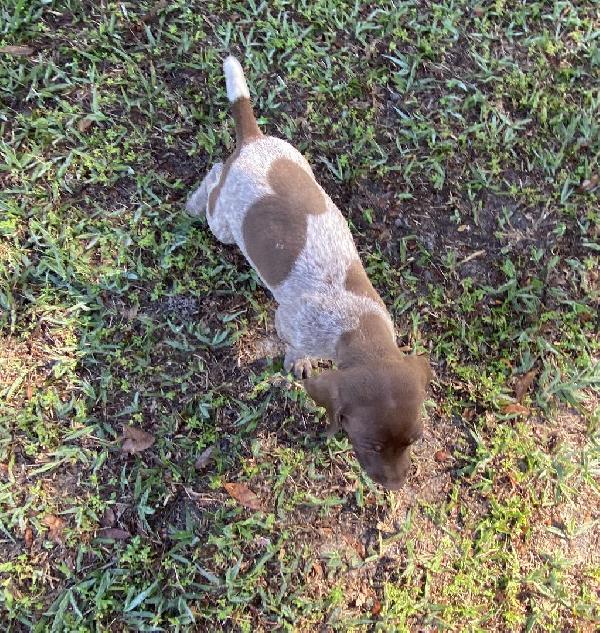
246	127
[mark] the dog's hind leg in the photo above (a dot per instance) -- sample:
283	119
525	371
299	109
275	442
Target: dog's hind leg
196	204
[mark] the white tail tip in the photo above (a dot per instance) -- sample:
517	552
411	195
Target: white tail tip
237	88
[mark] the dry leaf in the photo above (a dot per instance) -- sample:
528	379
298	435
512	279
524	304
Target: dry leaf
441	456
108	519
18	51
159	6
376	608
136	440
262	541
589	184
524	383
130	313
468	413
114	533
244	495
55	527
28	537
84	124
360	599
516	408
204	459
359	548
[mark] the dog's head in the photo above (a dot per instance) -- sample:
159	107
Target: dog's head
378	404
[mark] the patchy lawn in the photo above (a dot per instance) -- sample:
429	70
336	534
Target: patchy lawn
462	141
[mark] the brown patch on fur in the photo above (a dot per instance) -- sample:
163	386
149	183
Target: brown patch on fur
358	283
214	194
246	127
371	339
275	226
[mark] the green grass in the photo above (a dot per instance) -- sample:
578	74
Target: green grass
461	139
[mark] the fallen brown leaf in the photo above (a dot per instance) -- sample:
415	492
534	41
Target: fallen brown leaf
55	527
159	6
376	608
441	456
84	124
108	518
136	440
204	458
113	533
18	51
468	413
243	494
523	384
590	183
28	537
358	547
519	409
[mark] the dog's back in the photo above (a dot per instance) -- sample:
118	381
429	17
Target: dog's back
289	229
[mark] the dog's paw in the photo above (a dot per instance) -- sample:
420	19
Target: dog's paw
300	367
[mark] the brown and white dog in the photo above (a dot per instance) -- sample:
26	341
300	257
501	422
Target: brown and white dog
266	200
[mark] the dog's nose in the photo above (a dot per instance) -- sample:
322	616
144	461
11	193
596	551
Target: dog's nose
391	483
395	479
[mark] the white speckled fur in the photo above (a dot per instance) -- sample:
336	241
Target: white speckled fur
196	204
314	307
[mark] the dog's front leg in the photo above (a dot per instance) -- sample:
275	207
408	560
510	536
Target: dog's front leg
295	360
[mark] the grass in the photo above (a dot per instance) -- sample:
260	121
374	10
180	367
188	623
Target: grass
461	139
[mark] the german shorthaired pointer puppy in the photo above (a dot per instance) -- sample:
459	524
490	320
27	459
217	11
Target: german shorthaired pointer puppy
266	200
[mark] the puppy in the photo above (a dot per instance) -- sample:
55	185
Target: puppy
266	200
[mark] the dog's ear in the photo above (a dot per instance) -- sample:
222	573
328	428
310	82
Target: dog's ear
324	389
422	366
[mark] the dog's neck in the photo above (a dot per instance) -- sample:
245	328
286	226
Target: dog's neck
371	341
